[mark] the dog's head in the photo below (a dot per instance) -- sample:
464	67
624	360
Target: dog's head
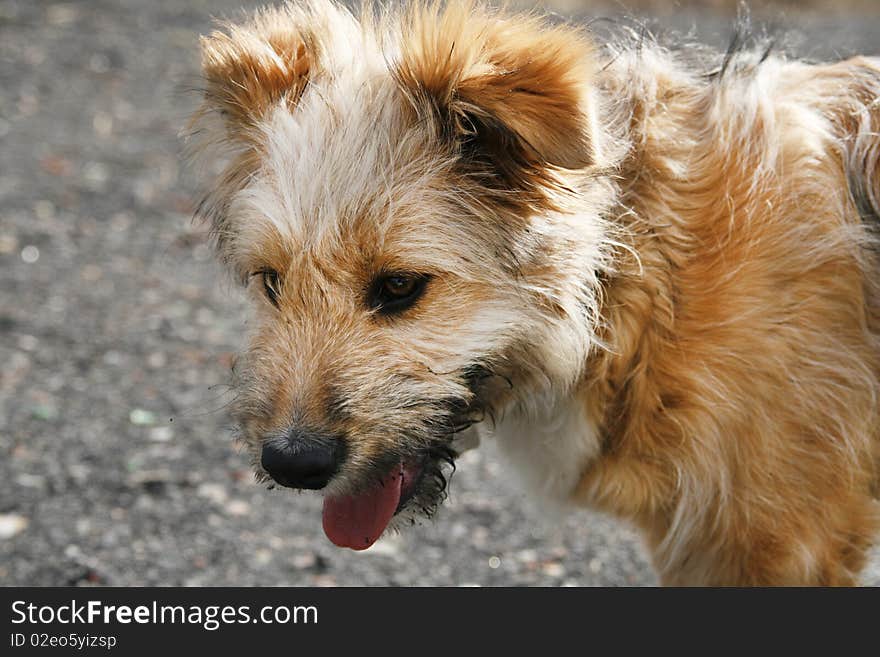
413	202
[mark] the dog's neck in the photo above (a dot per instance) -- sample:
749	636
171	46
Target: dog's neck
548	446
554	447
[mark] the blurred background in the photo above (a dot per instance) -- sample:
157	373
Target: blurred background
117	331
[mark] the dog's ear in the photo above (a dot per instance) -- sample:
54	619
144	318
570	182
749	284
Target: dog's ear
251	68
247	70
511	89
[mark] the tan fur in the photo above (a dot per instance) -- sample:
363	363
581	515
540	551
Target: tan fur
681	265
249	70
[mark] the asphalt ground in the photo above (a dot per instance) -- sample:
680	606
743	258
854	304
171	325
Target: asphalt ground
117	331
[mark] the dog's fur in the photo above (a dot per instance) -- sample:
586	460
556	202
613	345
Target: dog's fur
657	281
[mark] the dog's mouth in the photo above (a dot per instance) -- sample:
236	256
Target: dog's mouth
357	520
418	480
415	485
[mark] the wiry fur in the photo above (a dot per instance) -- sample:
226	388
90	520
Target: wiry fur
659	278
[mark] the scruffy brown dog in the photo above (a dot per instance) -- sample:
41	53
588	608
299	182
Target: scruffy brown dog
656	282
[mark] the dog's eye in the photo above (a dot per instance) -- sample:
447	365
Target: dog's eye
399	287
394	293
271	284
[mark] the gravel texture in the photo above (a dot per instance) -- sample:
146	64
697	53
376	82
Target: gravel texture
117	332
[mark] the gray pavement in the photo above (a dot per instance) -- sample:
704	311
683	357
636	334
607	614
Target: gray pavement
117	332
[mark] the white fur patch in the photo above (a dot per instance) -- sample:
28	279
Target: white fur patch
550	448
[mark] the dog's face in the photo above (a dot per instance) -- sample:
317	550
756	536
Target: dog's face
397	197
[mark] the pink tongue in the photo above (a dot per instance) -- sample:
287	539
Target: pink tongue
357	521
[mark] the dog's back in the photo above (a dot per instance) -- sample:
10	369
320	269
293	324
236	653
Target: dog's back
741	388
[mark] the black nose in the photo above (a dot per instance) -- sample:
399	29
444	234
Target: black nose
302	459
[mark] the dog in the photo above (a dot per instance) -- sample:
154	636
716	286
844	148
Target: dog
651	277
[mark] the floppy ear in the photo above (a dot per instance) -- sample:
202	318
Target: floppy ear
247	70
511	89
250	68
